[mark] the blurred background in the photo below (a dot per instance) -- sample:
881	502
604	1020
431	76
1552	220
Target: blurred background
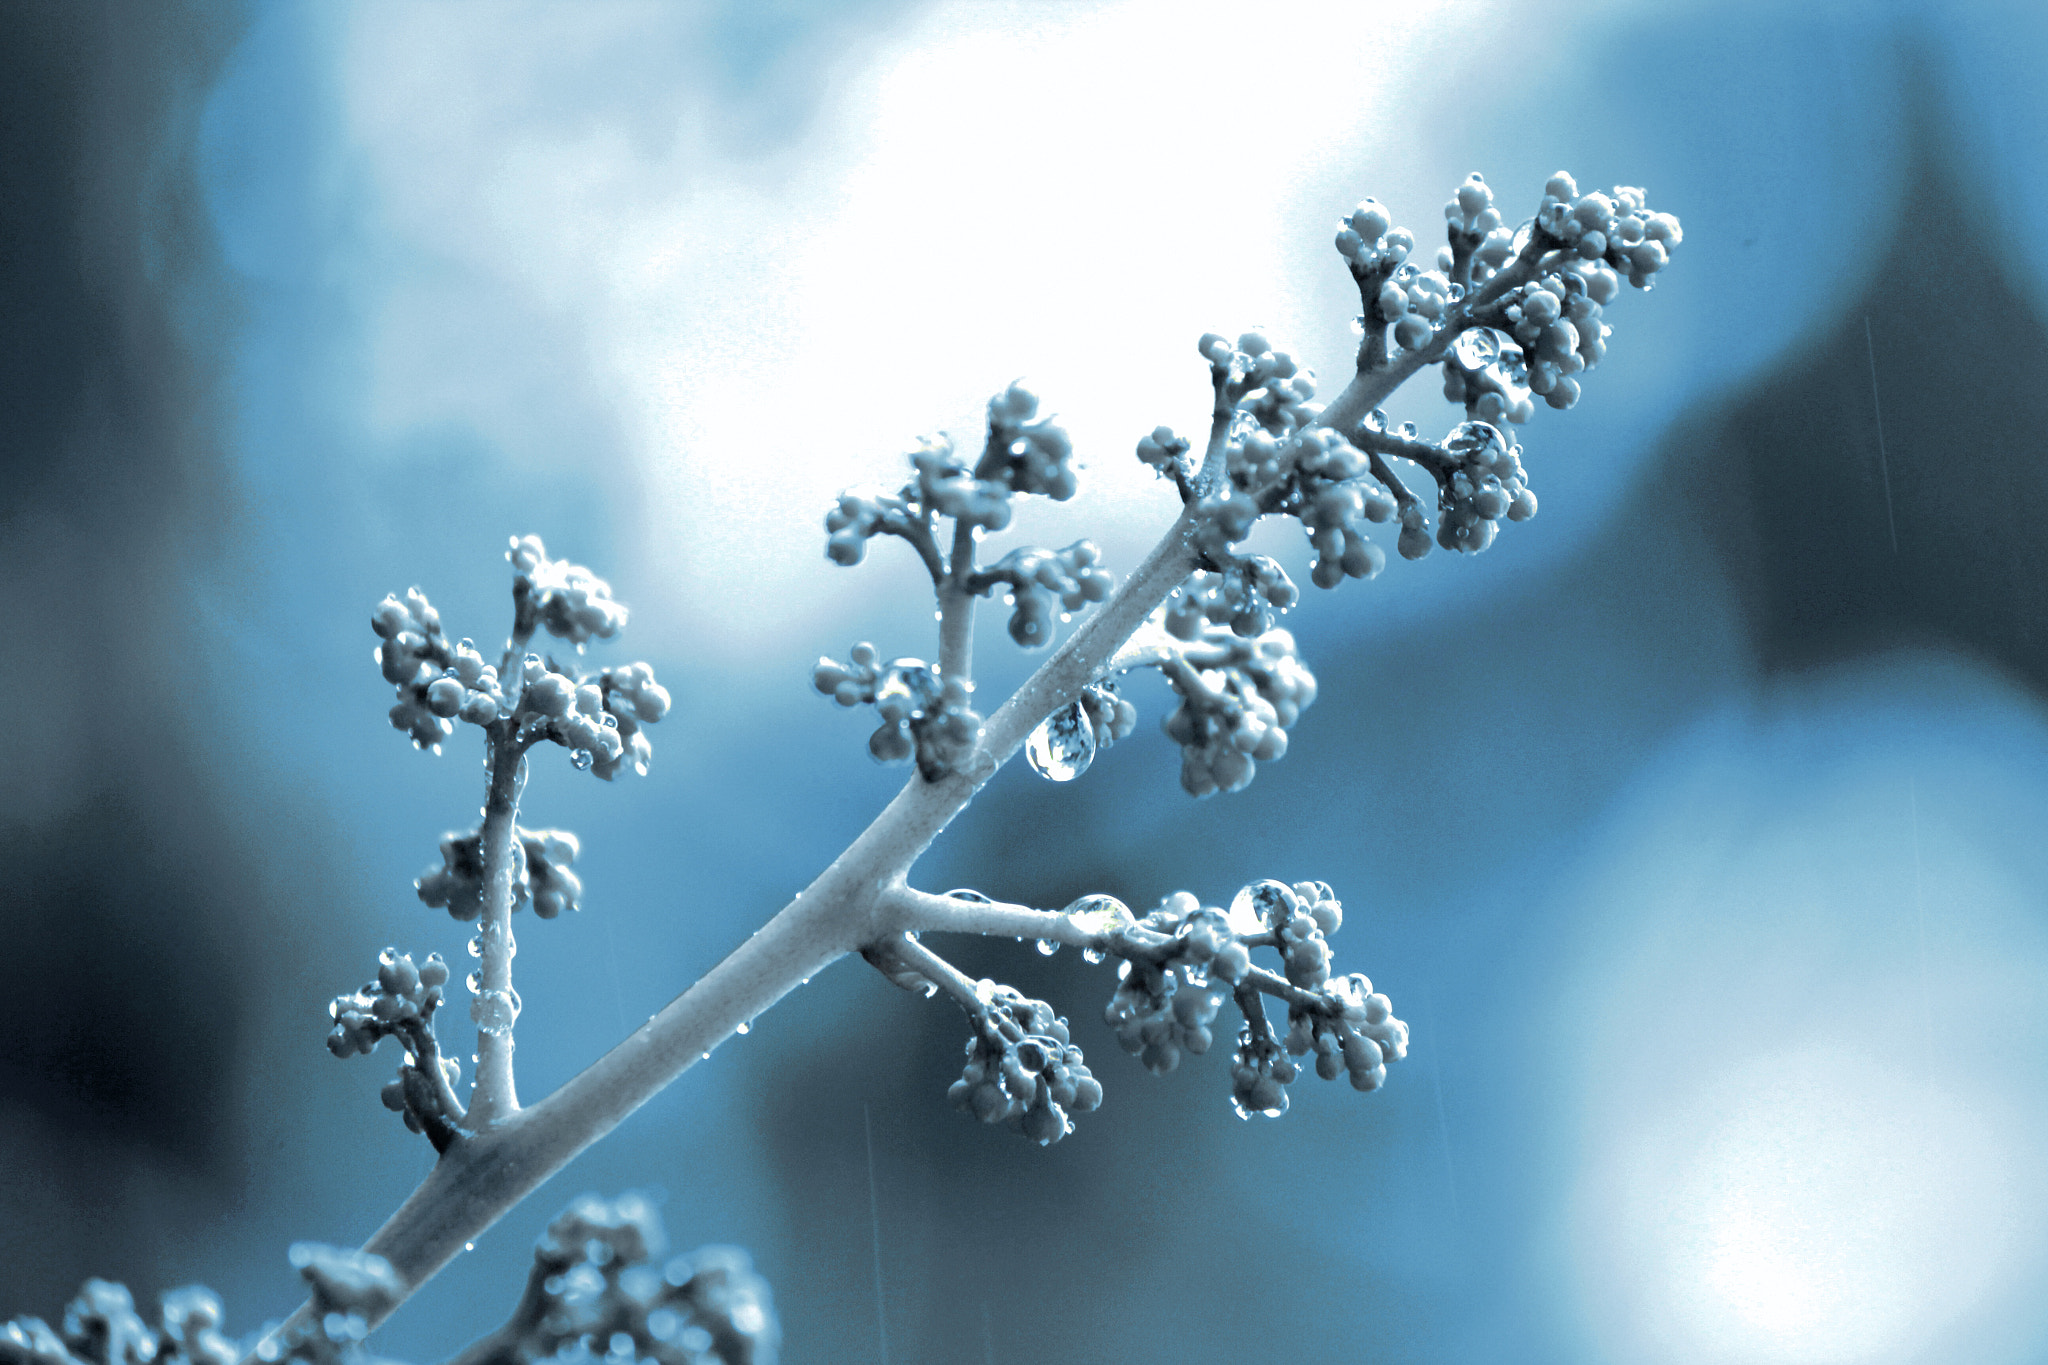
1699	828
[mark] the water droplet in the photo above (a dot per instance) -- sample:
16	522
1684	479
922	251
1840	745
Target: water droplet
967	893
744	1028
1063	745
1408	430
1092	956
476	983
705	1057
1457	292
1476	349
469	1246
1046	947
494	1012
1376	420
581	759
476	946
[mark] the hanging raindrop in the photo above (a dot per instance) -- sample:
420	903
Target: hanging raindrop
1063	745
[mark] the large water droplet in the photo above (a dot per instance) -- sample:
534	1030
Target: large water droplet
1063	745
1376	420
1476	349
1254	909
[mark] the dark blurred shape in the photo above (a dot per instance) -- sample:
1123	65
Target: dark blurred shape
1928	529
119	1011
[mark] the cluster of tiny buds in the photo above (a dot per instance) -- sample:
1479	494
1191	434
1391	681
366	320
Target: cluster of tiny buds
1484	485
1359	1041
601	1295
947	487
1476	233
1044	584
1165	452
1022	1067
1027	456
1020	456
595	1294
598	719
1262	383
1238	699
922	713
1616	227
414	658
1153	1018
567	600
350	1289
1245	595
540	873
402	999
101	1327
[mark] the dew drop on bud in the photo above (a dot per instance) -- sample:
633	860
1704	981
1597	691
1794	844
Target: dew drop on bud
1063	745
1476	349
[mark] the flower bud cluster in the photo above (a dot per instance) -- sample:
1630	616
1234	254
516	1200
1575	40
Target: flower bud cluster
1022	1067
567	600
922	713
414	657
101	1327
1369	243
1615	227
1259	1073
401	1001
861	516
1164	451
350	1290
1023	455
1238	698
1416	302
555	706
1488	373
947	487
1299	917
632	698
1264	385
1245	596
1154	1018
540	873
1479	244
1354	1033
1042	584
1484	483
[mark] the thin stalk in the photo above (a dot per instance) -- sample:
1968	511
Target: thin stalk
495	1096
956	609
